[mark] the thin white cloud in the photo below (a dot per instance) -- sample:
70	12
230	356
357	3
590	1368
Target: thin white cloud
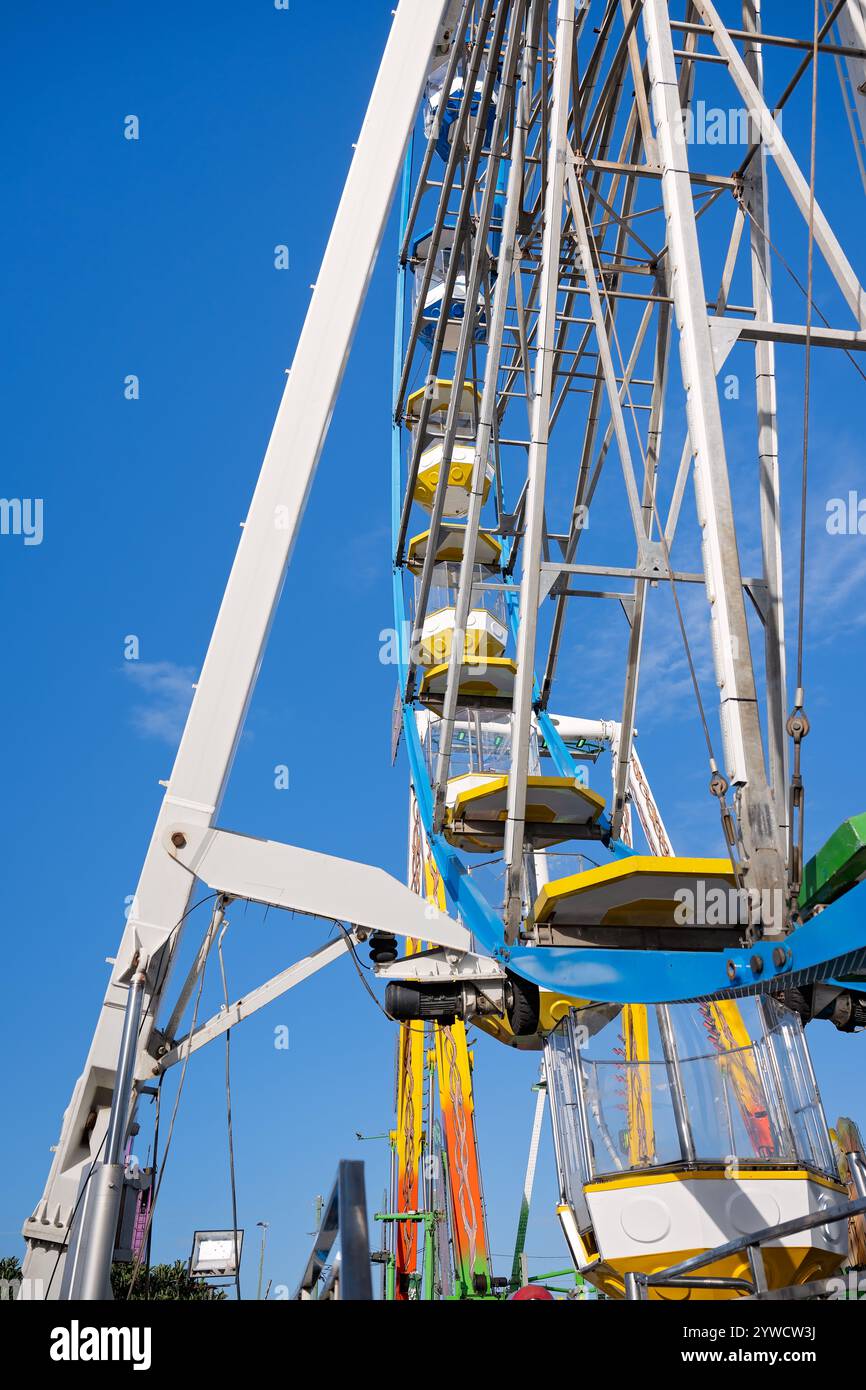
165	692
665	688
835	578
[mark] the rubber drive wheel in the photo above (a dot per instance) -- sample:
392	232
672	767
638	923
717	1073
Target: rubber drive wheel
523	1011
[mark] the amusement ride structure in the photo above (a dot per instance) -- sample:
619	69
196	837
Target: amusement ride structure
576	272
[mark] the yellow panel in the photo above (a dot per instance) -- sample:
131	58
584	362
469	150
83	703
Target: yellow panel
457	1103
435	649
552	1009
713	1174
470	803
641	1136
484	806
680	869
492	676
488	550
784	1265
459	476
441	399
409	1140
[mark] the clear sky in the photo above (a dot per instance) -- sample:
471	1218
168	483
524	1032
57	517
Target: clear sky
155	257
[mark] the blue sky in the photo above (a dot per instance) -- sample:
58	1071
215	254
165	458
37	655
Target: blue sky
156	258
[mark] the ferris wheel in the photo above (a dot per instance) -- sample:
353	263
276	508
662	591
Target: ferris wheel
608	230
594	272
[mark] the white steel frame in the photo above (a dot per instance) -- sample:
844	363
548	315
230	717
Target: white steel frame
231	666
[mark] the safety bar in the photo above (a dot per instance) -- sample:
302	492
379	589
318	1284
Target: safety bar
680	1276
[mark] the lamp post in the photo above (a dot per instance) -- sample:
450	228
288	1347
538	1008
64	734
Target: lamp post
264	1229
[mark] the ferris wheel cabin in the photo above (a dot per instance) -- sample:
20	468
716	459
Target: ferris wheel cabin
431	276
681	1128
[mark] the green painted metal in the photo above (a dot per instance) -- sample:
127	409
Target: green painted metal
428	1279
391	1280
582	1288
429	1255
839	865
520	1242
427	1285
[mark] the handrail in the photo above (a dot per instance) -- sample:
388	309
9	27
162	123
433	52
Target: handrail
345	1216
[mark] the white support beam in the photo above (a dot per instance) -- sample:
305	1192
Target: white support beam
795	334
756	200
851	25
529	1179
302	880
243	1008
234	655
741	730
537	470
798	185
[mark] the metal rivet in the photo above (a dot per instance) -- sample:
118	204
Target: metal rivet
178	839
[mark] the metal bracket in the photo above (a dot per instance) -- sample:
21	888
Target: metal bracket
302	880
651	558
438	964
551	573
